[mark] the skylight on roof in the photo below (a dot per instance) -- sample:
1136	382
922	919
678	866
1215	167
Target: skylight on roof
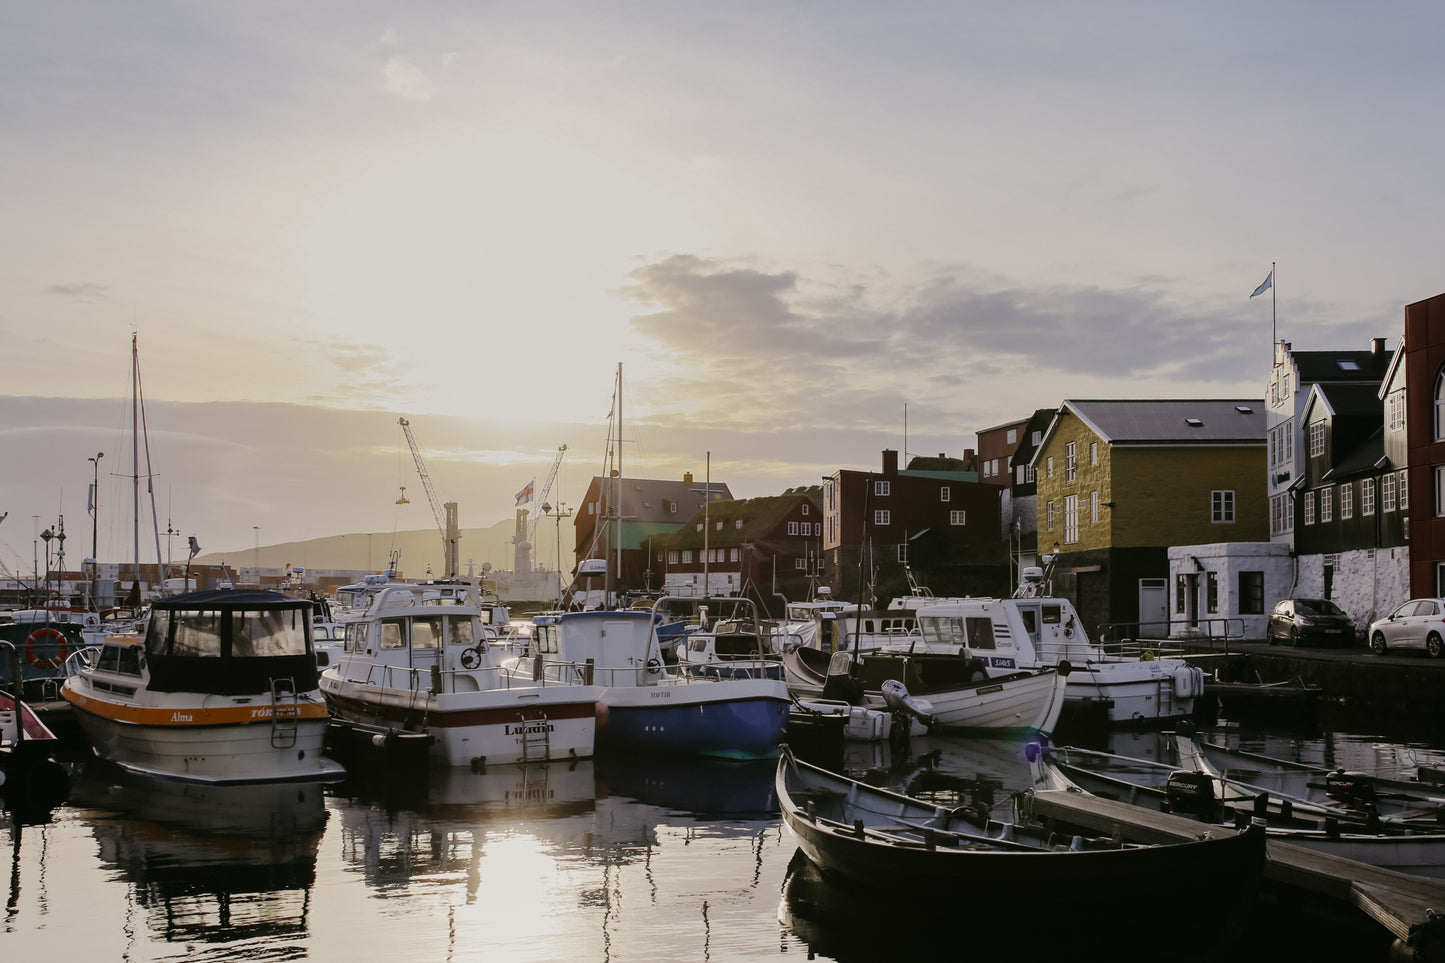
1349	366
1194	422
1244	409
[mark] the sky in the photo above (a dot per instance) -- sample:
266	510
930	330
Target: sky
806	232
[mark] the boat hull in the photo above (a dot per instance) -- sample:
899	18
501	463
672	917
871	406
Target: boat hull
190	741
497	726
729	719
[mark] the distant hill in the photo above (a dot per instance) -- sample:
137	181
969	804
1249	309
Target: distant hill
416	550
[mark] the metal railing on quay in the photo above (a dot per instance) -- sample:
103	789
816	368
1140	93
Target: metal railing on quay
1172	636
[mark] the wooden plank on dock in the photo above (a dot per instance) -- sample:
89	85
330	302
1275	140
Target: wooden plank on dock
1410	907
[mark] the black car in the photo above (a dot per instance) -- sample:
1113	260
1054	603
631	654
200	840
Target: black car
1301	621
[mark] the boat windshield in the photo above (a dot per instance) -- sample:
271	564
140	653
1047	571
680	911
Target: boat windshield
249	634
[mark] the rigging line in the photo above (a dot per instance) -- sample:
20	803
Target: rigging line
150	474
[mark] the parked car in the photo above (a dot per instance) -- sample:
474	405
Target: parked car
1300	621
1418	624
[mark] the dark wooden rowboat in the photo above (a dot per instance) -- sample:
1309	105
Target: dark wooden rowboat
864	834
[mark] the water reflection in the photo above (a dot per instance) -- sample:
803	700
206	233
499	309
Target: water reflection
209	864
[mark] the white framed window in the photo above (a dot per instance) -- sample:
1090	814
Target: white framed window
1093	508
1327	505
1221	506
1038	438
1013	436
1317	439
881	487
882	517
1396	401
1347	500
1309	508
687	556
1387	493
800	563
804	511
733	555
1071	462
902	551
1093	452
956	518
1029	475
1404	491
1049	467
792	528
1440	490
1440	405
944	493
1367	496
672	557
1071	519
1049	514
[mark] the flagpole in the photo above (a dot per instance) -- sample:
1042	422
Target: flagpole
1273	314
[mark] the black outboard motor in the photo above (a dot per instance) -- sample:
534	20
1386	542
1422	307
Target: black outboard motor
1351	787
1191	793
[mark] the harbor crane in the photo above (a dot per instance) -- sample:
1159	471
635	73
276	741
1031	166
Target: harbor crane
446	515
542	498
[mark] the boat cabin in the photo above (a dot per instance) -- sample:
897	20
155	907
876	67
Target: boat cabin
621	645
1007	633
410	627
226	642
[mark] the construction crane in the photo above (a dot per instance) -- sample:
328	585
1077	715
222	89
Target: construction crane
542	498
446	515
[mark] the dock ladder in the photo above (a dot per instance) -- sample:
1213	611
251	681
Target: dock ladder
285	711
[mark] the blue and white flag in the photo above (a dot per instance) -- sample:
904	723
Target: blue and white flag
1265	285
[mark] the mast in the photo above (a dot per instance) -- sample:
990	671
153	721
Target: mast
617	489
135	446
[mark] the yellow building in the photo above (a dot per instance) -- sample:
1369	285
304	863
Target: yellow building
1120	482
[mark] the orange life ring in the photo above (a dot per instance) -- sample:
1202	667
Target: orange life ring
62	648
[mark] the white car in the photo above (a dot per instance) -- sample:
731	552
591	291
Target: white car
1418	624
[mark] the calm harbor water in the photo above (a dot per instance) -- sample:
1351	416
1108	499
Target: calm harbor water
603	860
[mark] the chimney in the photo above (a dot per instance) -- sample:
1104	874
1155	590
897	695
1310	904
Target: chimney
687	478
1377	350
890	461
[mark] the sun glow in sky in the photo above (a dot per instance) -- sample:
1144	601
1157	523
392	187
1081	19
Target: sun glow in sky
786	222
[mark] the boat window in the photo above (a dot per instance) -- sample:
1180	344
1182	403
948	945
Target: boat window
356	637
546	636
1031	623
426	633
980	632
129	660
158	632
393	634
944	631
1053	614
109	658
267	634
459	631
196	634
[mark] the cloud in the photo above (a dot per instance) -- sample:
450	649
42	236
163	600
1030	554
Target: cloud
755	345
80	291
402	77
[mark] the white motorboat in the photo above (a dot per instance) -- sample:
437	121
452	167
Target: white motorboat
1126	686
421	664
222	689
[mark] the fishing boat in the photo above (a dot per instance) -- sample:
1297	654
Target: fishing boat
1121	685
961	694
1167	788
419	665
223	689
646	705
867	835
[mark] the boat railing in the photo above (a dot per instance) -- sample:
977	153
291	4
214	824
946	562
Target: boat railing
1120	650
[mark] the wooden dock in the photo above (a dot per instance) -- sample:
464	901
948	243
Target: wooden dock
1410	907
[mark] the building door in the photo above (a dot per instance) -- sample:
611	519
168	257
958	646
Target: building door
1329	581
1153	608
1191	601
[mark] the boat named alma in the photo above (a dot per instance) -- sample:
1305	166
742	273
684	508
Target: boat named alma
222	689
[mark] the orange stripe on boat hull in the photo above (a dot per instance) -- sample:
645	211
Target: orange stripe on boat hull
189	715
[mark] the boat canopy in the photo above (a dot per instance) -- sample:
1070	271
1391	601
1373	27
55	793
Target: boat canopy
230	642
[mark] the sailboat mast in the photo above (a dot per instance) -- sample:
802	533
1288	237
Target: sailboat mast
617	487
135	445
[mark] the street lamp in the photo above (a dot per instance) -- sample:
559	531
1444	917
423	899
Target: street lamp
95	504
